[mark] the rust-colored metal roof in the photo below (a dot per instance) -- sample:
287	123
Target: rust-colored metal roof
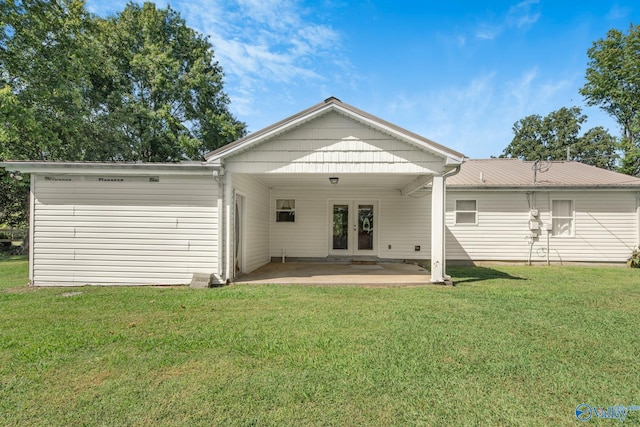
327	105
510	173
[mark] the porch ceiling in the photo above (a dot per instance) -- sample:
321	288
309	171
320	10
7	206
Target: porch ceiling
346	180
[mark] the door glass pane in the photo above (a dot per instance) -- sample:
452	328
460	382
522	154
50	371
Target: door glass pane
340	226
365	227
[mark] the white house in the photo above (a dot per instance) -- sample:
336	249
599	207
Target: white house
330	182
511	210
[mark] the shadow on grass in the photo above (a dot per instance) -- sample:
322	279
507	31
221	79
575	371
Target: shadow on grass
479	274
6	257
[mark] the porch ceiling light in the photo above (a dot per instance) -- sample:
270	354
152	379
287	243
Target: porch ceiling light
334	180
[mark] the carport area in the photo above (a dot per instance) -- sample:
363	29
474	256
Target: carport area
315	273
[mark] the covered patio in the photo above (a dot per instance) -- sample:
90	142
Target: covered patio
333	182
338	274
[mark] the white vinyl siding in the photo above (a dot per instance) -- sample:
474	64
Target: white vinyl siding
402	222
334	144
605	227
90	232
257	215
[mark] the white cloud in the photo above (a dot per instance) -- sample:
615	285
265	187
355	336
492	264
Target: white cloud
521	16
618	12
276	14
488	32
451	116
457	39
476	118
519	91
259	42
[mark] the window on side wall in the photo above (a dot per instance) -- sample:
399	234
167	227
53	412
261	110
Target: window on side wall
285	210
466	212
562	218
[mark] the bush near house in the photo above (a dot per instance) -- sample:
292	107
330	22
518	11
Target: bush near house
634	259
12	240
506	346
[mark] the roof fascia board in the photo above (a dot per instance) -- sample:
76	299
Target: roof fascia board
111	168
554	188
377	124
250	141
451	158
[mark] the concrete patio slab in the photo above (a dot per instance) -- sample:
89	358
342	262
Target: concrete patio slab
307	273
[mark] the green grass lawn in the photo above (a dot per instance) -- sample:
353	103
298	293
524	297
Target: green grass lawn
506	346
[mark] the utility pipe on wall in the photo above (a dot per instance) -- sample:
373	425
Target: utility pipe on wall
548	234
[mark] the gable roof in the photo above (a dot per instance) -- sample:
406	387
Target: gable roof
333	104
515	173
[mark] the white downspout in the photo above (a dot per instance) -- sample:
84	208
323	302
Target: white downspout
438	226
444	242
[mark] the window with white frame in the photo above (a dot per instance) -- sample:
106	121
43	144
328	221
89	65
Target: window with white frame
285	210
466	212
562	218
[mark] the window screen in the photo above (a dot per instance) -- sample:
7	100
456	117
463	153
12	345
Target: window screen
562	218
466	212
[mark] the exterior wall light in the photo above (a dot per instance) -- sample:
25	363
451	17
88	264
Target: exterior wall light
334	180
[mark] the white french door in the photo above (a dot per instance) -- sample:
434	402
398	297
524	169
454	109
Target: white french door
353	229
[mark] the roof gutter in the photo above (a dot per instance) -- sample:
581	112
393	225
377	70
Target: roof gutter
541	188
100	168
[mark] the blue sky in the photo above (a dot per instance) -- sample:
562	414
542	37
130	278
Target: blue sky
460	73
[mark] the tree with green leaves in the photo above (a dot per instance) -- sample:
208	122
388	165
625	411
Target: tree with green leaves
557	137
138	86
167	97
48	61
613	84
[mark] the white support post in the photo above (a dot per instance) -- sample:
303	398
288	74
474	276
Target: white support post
638	220
32	223
438	193
229	223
